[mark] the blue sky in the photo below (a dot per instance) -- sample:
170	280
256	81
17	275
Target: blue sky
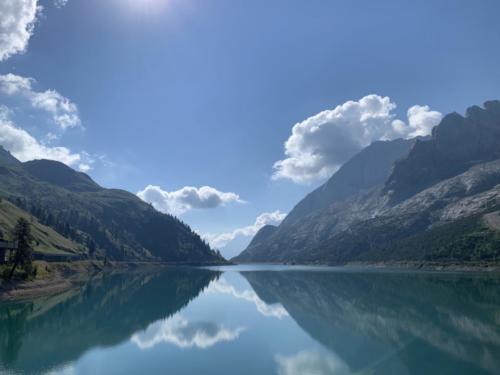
192	93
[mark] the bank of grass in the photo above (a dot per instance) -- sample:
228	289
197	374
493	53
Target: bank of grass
45	270
45	239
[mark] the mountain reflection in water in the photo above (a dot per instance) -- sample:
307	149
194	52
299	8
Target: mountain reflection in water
46	333
268	321
394	322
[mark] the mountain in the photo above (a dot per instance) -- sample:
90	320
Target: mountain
261	237
317	213
439	202
59	174
456	144
6	158
370	167
105	222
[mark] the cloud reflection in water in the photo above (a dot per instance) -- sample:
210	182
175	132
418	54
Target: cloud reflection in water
184	334
275	310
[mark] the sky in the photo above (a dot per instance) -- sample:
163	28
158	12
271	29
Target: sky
225	112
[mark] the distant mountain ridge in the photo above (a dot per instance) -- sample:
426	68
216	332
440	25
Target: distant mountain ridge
106	222
56	173
437	194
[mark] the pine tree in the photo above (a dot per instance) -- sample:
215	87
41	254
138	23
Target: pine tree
24	254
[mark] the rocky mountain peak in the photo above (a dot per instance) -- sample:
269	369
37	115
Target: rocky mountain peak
457	143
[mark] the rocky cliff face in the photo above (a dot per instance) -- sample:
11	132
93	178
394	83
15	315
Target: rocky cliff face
369	168
347	196
456	144
263	235
438	194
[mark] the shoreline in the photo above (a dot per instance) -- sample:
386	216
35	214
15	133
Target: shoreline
57	277
479	267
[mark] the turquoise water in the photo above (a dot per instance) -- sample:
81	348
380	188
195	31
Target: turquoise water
259	320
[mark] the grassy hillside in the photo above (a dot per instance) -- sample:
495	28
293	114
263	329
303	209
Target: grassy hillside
47	240
109	223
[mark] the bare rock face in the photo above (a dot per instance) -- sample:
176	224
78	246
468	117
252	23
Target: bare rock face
331	207
457	143
430	204
262	237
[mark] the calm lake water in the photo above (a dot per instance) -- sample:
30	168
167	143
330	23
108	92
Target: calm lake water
259	320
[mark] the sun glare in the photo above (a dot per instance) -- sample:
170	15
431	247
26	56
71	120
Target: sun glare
148	6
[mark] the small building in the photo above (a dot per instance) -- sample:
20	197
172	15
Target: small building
6	249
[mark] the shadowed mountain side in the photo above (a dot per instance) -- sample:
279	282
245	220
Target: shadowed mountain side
6	158
105	222
457	143
59	174
369	168
323	212
120	305
379	322
261	237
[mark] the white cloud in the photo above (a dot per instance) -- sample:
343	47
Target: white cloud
25	147
184	334
189	197
275	310
60	3
421	120
222	239
84	167
17	19
319	145
63	112
306	362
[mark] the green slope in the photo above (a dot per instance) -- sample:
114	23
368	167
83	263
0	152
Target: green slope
111	223
46	239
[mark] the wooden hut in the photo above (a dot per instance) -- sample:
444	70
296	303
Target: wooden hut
6	248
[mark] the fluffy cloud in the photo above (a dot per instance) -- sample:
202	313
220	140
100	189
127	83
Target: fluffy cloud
319	145
63	112
306	362
17	19
222	239
25	147
184	334
274	310
421	120
185	199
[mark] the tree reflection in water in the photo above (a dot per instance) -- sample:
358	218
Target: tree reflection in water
49	332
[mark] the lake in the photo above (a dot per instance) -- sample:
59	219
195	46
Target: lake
259	320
